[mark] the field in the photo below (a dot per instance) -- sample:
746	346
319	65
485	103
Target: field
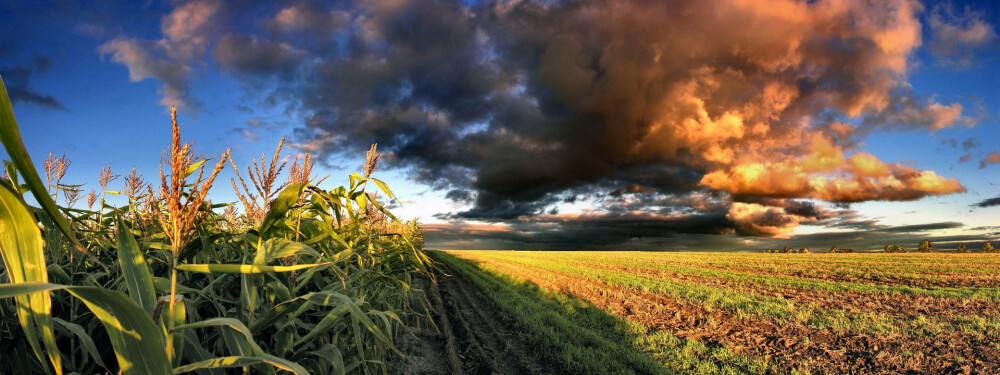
649	312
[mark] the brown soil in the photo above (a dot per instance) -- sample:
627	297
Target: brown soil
932	279
468	337
787	345
910	305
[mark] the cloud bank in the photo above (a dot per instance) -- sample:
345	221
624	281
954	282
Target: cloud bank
754	108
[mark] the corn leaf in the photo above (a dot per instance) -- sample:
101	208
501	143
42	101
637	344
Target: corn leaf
138	279
222	362
276	248
243	268
239	327
21	249
284	202
384	188
85	339
138	343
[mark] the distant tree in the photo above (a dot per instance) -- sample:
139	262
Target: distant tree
899	249
925	247
804	250
834	249
988	247
787	250
847	250
890	248
962	248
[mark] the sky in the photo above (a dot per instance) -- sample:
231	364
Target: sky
715	125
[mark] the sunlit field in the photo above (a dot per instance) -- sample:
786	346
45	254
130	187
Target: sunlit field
748	312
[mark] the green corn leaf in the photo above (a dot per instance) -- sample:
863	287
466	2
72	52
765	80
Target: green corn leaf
59	274
180	317
355	179
194	167
222	362
138	343
138	279
85	339
332	353
162	285
10	136
249	342
381	208
197	353
331	319
243	268
276	248
284	202
24	260
384	188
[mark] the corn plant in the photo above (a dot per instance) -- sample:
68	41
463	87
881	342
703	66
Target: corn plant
305	279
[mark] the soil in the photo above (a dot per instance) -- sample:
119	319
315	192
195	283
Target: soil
787	345
466	337
910	305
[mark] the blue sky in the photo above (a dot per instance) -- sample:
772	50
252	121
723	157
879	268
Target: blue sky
482	121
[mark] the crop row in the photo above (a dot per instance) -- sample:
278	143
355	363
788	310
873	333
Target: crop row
824	315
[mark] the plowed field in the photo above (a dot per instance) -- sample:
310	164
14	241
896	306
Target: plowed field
648	312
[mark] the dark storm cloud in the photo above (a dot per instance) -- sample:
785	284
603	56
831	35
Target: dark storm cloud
17	79
244	54
572	232
522	110
515	106
647	232
988	202
916	228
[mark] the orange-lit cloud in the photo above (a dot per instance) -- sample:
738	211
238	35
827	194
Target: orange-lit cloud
516	106
992	158
761	220
820	170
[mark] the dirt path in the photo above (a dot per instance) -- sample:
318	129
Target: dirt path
470	338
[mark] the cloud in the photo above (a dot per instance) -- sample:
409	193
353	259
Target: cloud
247	135
671	233
309	17
243	54
970	143
577	232
992	158
186	36
988	202
17	80
774	218
517	106
957	38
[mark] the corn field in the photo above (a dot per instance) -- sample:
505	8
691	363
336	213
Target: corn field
297	278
